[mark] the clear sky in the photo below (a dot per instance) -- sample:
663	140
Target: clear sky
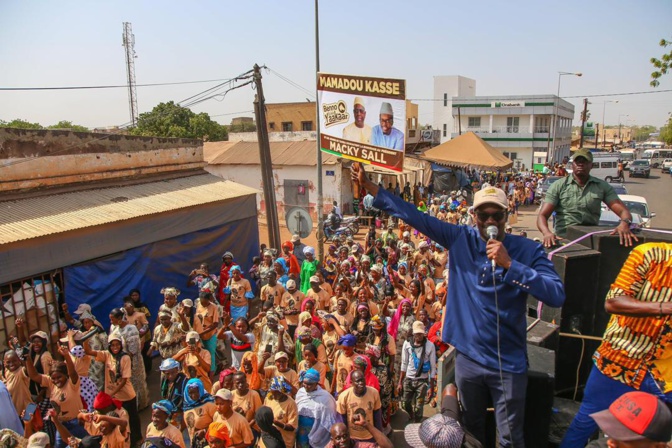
508	47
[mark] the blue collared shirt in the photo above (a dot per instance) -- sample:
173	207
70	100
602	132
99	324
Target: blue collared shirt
470	323
395	139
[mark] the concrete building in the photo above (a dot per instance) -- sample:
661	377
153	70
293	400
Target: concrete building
86	217
519	126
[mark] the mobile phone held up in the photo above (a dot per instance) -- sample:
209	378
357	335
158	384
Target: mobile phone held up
30	411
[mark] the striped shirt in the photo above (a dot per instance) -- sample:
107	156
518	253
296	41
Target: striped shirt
635	346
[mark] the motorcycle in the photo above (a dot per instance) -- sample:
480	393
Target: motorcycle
329	233
352	222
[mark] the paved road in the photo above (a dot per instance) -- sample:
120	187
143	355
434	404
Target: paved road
657	190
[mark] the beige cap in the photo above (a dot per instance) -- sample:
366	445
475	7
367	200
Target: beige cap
193	335
359	100
295	238
40	334
38	440
314	279
224	394
491	195
188	302
291	284
280	355
418	327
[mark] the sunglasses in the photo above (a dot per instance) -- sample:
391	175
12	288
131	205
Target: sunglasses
497	216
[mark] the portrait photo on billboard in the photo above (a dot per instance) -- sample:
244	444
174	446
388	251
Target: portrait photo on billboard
363	119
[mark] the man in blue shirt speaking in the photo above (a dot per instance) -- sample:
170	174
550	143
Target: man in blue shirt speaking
486	307
385	134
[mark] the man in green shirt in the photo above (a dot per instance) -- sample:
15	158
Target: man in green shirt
577	200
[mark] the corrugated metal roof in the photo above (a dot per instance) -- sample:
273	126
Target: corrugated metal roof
31	218
282	153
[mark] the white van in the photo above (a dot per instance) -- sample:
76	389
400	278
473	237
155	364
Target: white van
605	165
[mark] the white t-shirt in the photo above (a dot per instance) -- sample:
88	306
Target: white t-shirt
238	348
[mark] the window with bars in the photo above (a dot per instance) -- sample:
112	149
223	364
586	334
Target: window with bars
286	126
306	125
35	299
474	122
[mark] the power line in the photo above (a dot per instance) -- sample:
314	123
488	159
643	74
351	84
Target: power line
124	86
292	83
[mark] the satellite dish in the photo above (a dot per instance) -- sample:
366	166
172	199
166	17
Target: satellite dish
299	221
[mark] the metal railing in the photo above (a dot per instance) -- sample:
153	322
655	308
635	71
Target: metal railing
513	129
34	299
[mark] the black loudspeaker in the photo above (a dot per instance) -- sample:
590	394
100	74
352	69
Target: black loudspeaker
542	334
612	257
578	268
539	398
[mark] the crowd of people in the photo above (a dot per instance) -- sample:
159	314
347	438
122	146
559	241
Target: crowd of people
295	352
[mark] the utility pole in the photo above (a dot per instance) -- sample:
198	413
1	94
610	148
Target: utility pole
583	119
320	199
266	163
597	134
128	42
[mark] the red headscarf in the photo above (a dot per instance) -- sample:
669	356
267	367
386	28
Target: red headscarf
371	379
104	400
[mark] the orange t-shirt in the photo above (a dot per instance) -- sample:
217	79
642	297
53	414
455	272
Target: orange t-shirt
127	392
67	397
204	317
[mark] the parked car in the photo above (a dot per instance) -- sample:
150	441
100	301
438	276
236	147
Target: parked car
611	219
666	166
640	168
620	189
544	185
638	205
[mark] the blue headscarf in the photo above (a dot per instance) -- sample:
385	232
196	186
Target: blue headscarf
347	341
310	375
281	261
165	406
284	277
280	384
204	397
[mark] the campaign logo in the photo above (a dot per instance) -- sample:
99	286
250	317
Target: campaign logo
335	113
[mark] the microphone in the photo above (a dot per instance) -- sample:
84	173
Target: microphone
492	232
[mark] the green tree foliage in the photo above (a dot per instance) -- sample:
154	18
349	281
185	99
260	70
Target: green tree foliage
666	132
172	120
23	124
64	124
243	127
20	124
662	65
641	133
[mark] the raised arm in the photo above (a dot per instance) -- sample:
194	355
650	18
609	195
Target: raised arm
72	372
440	232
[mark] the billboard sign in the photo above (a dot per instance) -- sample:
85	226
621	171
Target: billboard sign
363	119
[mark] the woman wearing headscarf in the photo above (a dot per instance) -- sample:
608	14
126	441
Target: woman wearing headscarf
160	426
130	338
173	383
168	336
308	268
317	412
343	362
118	379
96	336
250	367
361	325
265	268
363	364
285	412
199	410
140	306
270	435
399	329
239	291
224	275
310	361
305	337
218	435
280	266
381	367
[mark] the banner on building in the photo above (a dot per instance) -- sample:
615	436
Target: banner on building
363	119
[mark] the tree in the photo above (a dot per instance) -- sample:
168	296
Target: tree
662	65
641	133
20	124
64	124
666	132
172	120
